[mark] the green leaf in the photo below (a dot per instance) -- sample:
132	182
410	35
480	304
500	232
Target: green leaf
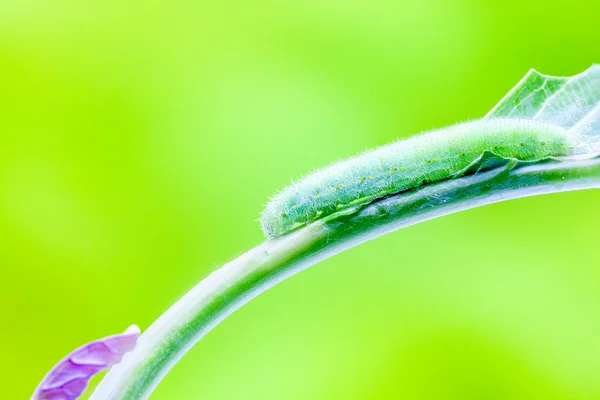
570	102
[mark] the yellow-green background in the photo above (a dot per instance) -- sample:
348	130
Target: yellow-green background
140	139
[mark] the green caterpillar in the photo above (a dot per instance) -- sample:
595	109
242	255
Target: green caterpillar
406	164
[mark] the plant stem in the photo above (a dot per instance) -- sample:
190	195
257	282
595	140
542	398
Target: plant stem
237	282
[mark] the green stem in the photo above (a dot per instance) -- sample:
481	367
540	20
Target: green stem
237	282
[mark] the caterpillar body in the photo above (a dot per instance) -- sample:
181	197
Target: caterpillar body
407	164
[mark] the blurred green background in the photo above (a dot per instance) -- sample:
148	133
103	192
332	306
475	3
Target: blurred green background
140	140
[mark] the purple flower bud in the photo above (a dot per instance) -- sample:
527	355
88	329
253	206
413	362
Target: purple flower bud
69	378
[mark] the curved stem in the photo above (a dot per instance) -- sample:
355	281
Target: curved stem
237	282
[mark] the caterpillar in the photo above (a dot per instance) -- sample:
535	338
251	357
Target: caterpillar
407	164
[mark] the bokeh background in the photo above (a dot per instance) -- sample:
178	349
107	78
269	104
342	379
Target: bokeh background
140	139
